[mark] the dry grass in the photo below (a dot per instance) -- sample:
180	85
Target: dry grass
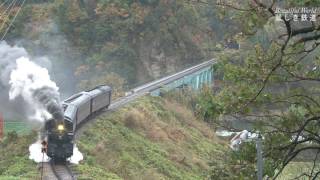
163	129
152	138
188	118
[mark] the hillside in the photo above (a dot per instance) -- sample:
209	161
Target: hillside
267	74
14	162
131	41
152	138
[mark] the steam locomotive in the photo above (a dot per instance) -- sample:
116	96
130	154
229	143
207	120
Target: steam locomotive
59	135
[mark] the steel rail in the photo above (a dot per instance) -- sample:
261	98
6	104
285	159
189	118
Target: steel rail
62	171
53	171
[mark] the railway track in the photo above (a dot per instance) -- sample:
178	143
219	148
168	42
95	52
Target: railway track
52	171
148	87
143	90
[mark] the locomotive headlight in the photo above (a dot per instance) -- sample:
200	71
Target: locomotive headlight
60	127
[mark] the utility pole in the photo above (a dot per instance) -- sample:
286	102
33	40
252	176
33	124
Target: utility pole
259	157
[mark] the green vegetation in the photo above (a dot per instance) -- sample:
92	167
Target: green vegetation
152	138
94	172
14	162
273	79
294	169
274	84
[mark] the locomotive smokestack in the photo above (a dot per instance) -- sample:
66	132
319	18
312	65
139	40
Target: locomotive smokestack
55	110
49	98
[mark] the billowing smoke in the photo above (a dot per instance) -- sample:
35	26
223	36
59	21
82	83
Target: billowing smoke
8	54
30	83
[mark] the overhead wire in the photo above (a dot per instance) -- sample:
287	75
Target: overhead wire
14	18
12	4
6	9
3	3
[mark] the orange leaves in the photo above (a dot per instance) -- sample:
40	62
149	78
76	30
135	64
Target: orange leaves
75	13
197	39
135	11
81	69
139	12
111	10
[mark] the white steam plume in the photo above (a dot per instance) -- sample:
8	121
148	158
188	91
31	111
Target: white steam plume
38	156
34	85
32	94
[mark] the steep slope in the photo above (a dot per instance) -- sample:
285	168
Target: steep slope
156	37
14	162
152	138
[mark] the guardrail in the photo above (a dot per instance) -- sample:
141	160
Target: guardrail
21	127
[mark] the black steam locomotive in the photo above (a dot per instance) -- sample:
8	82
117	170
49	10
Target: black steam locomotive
77	108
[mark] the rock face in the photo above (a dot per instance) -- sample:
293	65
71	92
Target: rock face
156	62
